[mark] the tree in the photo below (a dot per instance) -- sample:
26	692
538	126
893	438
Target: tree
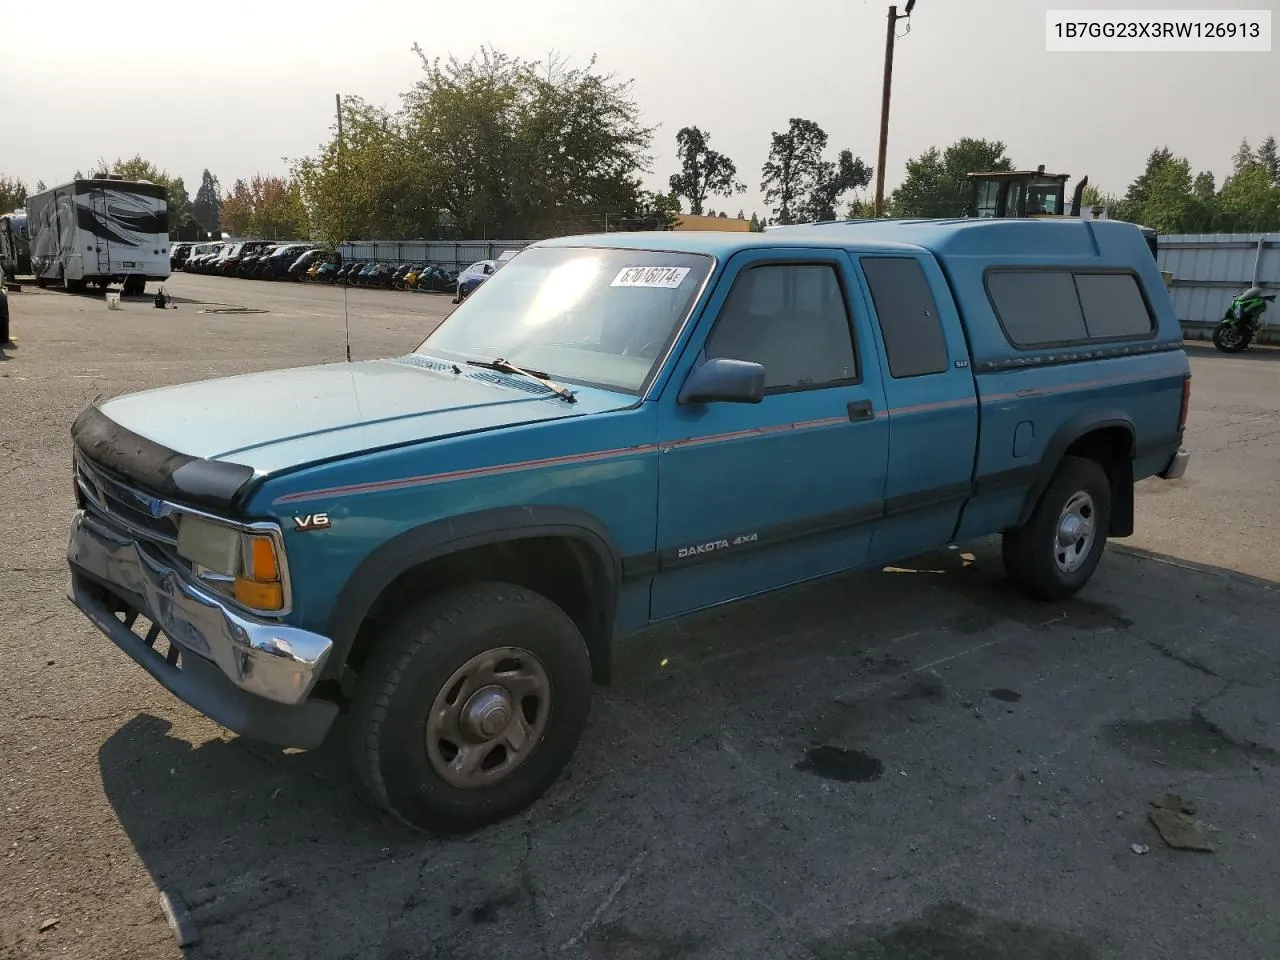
1248	201
1243	158
755	222
13	193
269	208
1268	156
936	183
653	211
369	183
136	168
207	206
703	171
802	185
834	180
492	146
523	148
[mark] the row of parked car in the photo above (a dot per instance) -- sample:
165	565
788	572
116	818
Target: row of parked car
308	263
248	259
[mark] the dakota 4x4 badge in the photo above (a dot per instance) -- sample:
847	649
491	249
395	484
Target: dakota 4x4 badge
711	546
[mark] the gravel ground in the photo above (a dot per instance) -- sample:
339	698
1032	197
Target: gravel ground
907	764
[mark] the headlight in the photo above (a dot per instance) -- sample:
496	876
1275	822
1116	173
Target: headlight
238	563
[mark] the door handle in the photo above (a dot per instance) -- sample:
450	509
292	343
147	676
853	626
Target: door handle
861	410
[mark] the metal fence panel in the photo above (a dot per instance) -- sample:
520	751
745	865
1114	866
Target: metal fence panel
1209	269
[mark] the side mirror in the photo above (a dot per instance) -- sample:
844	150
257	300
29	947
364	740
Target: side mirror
725	381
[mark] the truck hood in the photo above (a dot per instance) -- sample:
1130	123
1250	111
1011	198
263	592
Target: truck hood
286	418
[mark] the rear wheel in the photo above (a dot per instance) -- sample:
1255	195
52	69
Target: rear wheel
1056	552
471	706
1230	339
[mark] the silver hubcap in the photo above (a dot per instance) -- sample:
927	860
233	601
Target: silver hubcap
1075	533
490	716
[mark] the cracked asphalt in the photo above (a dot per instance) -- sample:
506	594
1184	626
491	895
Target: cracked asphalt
907	764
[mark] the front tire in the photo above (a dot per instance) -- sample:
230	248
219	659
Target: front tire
1056	552
1230	339
471	706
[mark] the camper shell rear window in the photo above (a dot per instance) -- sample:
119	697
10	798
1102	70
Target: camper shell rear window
1054	306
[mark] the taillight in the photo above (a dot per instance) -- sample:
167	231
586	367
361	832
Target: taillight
1186	402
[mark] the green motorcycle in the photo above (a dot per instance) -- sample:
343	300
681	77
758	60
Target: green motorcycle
1240	324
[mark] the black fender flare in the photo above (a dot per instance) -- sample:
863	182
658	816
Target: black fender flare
1067	434
440	538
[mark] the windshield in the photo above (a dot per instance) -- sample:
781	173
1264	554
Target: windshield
590	315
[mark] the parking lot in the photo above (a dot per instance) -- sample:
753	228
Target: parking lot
908	764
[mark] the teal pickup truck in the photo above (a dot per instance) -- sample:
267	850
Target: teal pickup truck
611	432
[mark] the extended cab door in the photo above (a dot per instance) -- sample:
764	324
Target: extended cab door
930	400
757	496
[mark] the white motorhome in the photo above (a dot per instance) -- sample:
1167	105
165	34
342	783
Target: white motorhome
15	252
100	231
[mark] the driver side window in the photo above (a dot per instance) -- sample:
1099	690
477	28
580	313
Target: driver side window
791	319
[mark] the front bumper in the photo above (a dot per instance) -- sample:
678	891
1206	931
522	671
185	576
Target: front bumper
252	676
1177	467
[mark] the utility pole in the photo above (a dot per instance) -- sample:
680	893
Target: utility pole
894	17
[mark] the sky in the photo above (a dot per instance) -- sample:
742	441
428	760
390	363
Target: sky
241	88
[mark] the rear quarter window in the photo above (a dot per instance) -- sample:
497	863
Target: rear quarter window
1060	307
908	316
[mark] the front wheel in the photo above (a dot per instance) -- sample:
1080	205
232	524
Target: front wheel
1230	338
471	706
1056	552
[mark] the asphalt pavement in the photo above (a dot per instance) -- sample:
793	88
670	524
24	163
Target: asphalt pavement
907	764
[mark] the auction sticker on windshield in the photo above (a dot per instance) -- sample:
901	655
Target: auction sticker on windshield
667	278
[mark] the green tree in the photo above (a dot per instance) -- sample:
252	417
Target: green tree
369	183
1244	157
13	193
522	149
1248	201
755	222
703	171
1268	155
833	181
801	185
936	183
653	211
206	207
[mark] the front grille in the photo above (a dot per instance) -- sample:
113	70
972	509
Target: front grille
142	514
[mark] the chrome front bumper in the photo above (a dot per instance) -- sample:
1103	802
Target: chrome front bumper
1177	466
267	660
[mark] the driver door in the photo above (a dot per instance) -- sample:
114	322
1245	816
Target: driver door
757	496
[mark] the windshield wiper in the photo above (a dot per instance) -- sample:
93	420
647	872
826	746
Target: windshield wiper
507	367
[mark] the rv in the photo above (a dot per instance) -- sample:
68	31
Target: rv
15	252
100	231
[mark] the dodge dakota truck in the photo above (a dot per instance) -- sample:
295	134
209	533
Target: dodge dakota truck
611	432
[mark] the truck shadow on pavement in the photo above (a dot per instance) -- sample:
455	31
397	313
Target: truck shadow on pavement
779	778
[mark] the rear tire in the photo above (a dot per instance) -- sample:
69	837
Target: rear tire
1230	339
1055	553
470	707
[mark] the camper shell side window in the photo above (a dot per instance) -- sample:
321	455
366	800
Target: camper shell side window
1039	307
